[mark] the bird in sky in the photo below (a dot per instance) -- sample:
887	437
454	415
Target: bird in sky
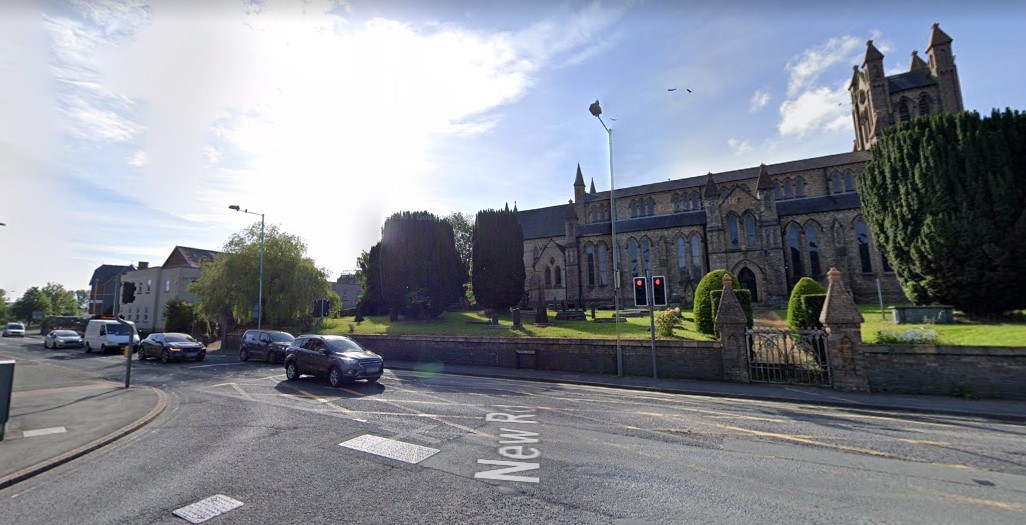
675	89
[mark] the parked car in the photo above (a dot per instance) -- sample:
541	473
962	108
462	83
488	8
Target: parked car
109	333
269	345
168	346
335	357
62	339
14	329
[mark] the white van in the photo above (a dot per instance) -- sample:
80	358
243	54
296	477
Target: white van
102	334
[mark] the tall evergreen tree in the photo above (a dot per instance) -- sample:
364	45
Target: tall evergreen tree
421	272
498	259
369	277
945	197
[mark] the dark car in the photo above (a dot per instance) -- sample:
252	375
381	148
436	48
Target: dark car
335	357
170	346
269	345
62	339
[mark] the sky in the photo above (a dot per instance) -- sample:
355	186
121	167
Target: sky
129	127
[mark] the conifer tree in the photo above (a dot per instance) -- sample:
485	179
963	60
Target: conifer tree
498	259
420	268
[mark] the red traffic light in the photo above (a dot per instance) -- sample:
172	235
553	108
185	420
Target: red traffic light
657	281
639	282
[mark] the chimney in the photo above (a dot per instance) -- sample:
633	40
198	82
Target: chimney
143	265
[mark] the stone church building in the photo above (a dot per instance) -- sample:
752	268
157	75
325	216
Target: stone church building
769	225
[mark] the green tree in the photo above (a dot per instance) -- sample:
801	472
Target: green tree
798	317
62	300
4	310
945	197
421	271
463	236
228	285
704	321
82	298
179	316
368	276
498	259
33	300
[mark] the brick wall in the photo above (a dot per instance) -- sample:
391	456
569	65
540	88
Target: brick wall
990	372
675	359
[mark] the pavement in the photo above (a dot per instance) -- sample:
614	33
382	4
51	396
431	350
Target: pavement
58	414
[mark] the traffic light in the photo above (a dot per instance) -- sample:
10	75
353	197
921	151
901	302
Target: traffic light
127	293
659	290
640	291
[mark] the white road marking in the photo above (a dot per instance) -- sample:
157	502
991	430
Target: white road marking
207	508
215	364
44	431
390	448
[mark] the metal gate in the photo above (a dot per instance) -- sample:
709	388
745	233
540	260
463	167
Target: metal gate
788	356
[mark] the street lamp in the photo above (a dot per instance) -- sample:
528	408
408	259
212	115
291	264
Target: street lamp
260	285
596	111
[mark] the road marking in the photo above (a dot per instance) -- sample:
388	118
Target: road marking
924	442
207	508
215	364
390	448
797	439
985	502
242	392
43	432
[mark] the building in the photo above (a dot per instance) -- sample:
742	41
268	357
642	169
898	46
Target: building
155	286
103	288
769	225
348	291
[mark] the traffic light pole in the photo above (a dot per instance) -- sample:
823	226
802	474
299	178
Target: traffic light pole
650	291
128	350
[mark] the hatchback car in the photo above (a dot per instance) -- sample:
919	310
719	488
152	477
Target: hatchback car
62	339
335	357
269	345
14	330
170	346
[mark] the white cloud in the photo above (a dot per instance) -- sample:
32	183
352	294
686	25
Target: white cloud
812	105
739	147
819	108
759	100
138	159
805	69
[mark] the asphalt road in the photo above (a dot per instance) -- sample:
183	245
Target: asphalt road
572	454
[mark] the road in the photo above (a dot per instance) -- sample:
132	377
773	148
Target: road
572	454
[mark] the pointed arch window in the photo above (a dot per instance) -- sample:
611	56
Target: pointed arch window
849	181
646	254
651	206
557	276
788	192
799	187
676	203
750	237
632	252
835	183
777	191
696	203
794	246
886	263
862	234
924	104
732	231
590	255
812	241
696	256
548	277
603	275
904	115
634	209
682	261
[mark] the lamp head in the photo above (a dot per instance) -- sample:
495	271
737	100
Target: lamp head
234	207
595	109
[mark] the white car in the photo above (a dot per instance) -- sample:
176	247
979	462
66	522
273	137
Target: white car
14	330
62	339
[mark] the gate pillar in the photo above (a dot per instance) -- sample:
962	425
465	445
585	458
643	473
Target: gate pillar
843	322
731	322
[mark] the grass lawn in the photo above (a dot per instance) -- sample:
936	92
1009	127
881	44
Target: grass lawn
1007	331
471	324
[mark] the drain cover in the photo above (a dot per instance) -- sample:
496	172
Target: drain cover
207	508
390	448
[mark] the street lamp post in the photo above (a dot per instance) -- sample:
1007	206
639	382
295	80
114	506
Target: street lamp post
596	111
260	284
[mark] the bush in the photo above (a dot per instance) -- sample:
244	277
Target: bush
666	320
703	305
812	304
797	316
911	336
743	296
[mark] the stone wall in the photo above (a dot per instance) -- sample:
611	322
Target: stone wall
675	359
986	372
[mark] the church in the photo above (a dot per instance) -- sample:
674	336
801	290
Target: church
769	225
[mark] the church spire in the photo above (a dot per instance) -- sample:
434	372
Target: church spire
937	37
579	181
710	187
872	53
917	63
765	182
593	185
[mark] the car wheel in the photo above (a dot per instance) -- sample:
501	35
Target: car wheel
165	356
45	344
335	377
142	354
270	357
89	349
291	371
243	355
373	379
103	349
201	356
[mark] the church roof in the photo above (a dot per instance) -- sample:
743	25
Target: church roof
937	37
914	79
654	222
543	222
822	203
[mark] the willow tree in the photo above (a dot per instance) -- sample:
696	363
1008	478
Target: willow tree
498	259
945	197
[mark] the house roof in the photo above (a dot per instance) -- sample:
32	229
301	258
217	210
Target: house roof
190	257
543	222
910	80
840	201
106	272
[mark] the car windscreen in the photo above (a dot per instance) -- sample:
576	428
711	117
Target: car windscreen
279	337
343	345
178	338
15	326
65	333
119	329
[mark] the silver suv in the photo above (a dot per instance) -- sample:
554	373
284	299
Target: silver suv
335	357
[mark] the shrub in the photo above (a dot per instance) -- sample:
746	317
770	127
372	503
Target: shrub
666	320
743	296
703	304
910	336
797	316
812	304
